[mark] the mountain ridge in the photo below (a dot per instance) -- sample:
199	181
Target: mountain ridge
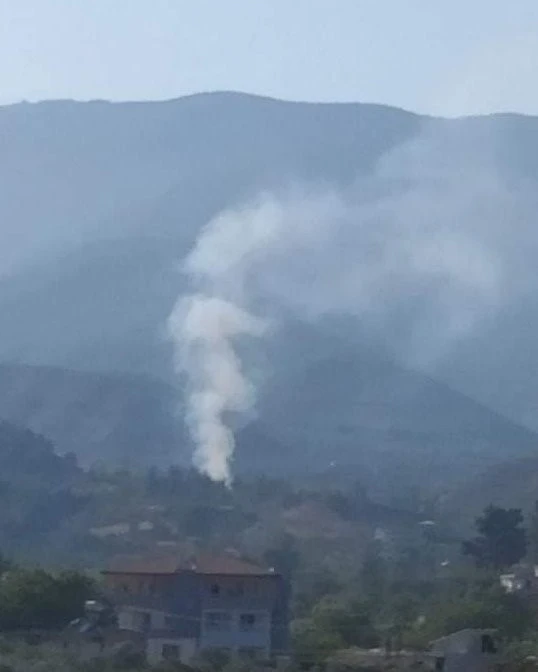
135	421
102	201
246	95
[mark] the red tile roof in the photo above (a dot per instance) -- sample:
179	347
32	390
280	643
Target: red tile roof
201	564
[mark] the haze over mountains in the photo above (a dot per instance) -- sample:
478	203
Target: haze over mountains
100	202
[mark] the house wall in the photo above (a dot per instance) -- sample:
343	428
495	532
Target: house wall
140	584
143	619
235	592
191	596
238	595
280	632
155	654
177	594
237	630
468	662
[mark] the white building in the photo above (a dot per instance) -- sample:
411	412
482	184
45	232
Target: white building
521	579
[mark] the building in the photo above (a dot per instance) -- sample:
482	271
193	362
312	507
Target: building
186	607
466	651
522	579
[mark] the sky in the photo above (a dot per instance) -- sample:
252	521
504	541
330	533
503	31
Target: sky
435	56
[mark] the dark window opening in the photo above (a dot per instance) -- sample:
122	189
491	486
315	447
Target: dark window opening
170	652
439	664
247	621
488	645
215	589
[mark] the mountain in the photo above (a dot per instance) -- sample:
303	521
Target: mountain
28	459
55	514
114	419
100	202
359	412
37	488
510	483
166	167
355	413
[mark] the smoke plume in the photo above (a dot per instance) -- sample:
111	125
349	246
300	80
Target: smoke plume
417	244
206	327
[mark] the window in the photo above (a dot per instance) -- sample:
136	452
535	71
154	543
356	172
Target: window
215	589
250	621
171	652
439	664
247	621
488	645
217	620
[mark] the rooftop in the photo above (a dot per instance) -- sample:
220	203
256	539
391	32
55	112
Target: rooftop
172	564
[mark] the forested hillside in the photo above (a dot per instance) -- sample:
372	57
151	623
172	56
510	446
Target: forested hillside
89	278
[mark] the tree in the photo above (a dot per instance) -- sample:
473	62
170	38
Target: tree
350	620
374	575
533	534
501	540
284	556
37	599
481	608
311	644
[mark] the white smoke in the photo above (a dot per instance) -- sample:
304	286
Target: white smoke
421	237
205	327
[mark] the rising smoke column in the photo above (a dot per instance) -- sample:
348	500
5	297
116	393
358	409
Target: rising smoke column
426	243
208	325
205	328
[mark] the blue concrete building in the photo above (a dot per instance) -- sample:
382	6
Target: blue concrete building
207	602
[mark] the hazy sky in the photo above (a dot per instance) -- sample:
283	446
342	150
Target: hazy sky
441	56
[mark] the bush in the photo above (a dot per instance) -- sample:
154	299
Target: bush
213	660
35	599
313	644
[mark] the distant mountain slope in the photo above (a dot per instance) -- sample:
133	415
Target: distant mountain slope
27	459
105	200
390	427
101	308
168	165
396	425
99	202
116	419
510	484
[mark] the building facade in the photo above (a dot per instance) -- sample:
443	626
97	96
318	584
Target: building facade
184	608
